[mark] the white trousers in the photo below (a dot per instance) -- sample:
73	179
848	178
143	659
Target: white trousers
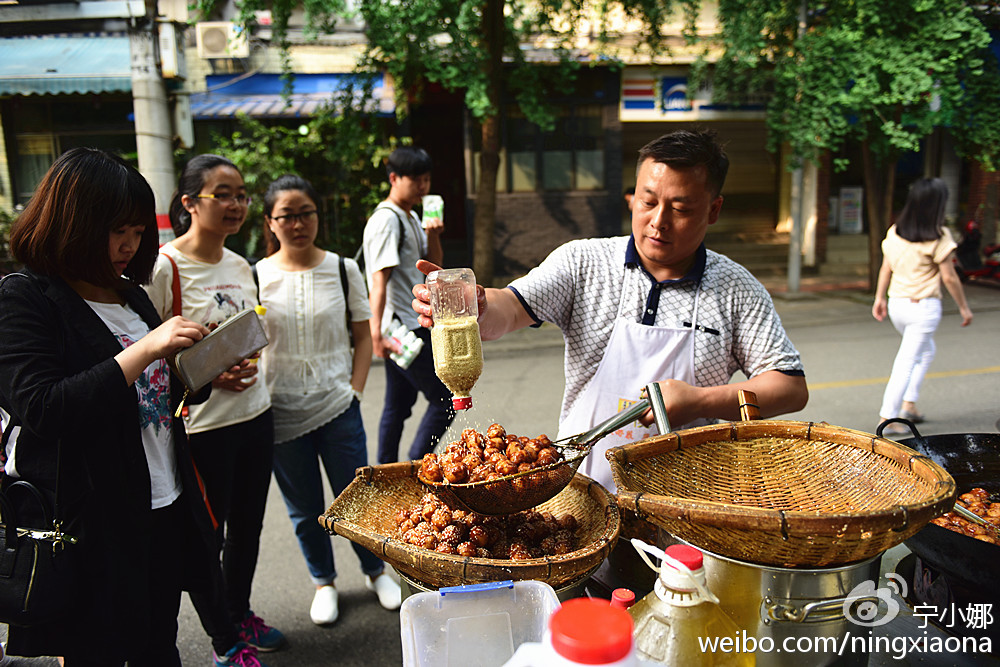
917	322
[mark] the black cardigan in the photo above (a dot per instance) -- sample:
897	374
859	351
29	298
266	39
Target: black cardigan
59	379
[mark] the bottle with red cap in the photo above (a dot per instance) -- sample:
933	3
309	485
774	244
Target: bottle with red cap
583	631
455	339
677	621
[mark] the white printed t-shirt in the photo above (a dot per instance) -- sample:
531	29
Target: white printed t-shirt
153	388
308	359
211	293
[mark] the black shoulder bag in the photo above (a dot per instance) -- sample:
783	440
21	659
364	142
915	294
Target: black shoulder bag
39	565
39	568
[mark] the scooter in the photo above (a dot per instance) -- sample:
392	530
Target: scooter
973	266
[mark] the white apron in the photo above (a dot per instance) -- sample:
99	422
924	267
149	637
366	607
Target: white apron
636	355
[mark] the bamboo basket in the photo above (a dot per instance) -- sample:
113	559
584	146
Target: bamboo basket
364	513
783	493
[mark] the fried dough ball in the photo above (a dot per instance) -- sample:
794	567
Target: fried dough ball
430	469
456	473
441	518
465	549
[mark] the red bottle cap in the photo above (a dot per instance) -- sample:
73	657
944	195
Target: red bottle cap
462	403
688	555
591	632
622	597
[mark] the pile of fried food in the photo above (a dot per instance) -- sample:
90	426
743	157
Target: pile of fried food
978	502
478	457
432	524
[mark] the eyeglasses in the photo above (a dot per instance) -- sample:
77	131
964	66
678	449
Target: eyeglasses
226	200
305	216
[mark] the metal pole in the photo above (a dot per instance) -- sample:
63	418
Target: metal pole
798	204
153	134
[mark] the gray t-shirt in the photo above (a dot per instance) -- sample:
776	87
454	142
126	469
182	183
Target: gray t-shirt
578	288
382	249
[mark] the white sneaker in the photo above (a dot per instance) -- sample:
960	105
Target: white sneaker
389	595
324	608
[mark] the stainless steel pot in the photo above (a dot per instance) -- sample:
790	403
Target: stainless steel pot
776	604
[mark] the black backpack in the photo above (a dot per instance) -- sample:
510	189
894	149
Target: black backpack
359	256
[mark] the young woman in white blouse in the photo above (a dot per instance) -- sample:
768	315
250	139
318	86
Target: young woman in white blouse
315	378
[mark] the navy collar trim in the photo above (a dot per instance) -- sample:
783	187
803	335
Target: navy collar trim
694	274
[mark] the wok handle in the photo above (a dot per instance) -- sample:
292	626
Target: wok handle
749	409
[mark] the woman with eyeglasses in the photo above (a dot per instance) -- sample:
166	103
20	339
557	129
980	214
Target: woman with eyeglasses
231	434
316	303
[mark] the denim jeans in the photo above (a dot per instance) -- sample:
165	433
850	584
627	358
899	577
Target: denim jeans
917	321
401	390
340	446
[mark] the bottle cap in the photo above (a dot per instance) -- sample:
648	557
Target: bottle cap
463	403
622	597
591	631
687	555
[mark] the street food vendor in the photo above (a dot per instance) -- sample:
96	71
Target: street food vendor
653	306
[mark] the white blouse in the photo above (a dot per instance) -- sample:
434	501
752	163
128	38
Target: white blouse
307	362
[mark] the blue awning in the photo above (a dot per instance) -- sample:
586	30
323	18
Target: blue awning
259	95
64	64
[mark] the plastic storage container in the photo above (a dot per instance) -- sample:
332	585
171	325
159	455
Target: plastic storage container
584	631
481	624
680	613
455	340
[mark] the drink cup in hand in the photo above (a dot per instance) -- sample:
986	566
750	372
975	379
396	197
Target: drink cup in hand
433	206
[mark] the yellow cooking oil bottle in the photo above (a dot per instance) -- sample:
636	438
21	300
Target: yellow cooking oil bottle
681	622
455	339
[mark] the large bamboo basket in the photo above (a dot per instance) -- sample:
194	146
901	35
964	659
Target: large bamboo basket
364	513
784	493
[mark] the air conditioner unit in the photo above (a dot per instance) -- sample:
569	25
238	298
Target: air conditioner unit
221	39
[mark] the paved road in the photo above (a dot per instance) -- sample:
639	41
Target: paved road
847	354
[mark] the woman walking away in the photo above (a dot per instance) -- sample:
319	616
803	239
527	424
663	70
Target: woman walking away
917	256
315	380
85	390
232	434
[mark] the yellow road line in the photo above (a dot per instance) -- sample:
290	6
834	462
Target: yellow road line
941	374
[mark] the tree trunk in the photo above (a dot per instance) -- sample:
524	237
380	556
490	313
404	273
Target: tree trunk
484	220
880	182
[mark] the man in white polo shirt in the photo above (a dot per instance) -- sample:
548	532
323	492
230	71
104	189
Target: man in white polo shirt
653	306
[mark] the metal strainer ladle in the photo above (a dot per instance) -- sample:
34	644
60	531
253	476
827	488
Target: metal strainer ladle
524	490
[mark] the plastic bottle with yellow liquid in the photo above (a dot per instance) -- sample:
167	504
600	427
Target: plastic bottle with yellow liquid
681	622
455	340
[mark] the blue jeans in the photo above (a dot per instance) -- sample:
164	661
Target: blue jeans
340	446
401	389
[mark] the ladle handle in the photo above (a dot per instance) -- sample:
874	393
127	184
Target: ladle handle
655	397
749	410
634	411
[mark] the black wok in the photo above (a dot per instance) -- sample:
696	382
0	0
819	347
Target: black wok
973	459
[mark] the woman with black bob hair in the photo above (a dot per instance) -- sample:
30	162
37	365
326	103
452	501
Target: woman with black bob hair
83	379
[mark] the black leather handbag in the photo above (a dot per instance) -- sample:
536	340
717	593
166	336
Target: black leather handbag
39	564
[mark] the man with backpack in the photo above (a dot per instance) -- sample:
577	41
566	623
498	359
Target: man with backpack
393	242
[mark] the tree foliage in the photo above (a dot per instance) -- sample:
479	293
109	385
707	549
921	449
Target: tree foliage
885	73
339	150
477	48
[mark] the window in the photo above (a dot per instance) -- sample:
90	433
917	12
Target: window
570	157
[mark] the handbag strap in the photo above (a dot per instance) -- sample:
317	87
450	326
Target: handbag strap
4	438
175	285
